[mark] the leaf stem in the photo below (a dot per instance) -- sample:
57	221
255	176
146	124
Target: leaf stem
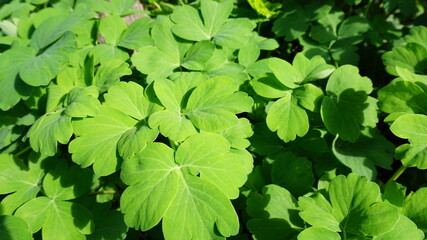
23	151
397	174
173	144
157	6
368	8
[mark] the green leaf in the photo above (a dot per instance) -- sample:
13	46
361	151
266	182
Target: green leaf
61	183
234	33
402	96
215	14
14	228
136	35
405	229
292	23
104	53
82	102
369	151
20	181
120	126
376	219
12	88
50	31
298	177
275	214
394	193
351	29
215	26
269	86
412	155
161	60
265	8
412	127
285	72
109	73
309	97
287	118
415	208
111	28
418	34
248	54
317	211
129	98
347	107
40	69
312	69
198	55
410	57
49	129
319	233
193	184
189	25
174	95
213	104
264	141
355	208
98	139
109	224
58	219
351	195
237	135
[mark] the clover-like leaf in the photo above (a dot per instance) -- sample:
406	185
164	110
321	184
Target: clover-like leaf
13	227
412	155
411	56
319	233
49	129
82	102
120	126
40	69
292	23
405	229
298	177
20	181
136	34
415	208
109	73
237	135
174	96
191	186
50	31
111	28
275	214
347	106
109	223
12	88
211	24
354	208
317	211
57	218
364	155
60	183
412	127
402	96
160	60
213	104
287	118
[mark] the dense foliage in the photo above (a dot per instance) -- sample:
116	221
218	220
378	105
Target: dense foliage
294	119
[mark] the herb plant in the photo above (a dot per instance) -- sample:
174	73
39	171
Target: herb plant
196	120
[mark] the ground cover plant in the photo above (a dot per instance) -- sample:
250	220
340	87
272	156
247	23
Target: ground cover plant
213	119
